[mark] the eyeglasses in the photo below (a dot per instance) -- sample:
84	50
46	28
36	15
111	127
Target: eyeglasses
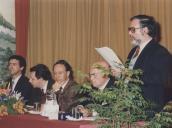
133	29
94	75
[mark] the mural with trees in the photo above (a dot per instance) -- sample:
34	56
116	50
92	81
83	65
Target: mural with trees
7	45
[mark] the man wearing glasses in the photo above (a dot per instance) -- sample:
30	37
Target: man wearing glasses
99	76
100	79
149	56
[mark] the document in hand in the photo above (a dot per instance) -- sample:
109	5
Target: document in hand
110	56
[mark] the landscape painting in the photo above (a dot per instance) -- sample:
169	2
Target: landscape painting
7	36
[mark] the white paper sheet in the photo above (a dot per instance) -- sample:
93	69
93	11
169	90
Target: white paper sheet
111	57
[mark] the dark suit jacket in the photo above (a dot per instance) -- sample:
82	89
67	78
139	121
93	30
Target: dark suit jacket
38	95
24	87
155	62
88	100
111	82
66	98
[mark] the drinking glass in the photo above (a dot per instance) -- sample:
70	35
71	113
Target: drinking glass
75	113
51	97
37	106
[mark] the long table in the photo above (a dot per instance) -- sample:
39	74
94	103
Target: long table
37	121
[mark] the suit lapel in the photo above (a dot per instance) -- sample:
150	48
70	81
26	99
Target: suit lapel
146	52
9	84
110	83
131	53
67	86
18	84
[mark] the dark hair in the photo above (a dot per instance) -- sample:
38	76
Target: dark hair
41	71
67	67
22	61
149	22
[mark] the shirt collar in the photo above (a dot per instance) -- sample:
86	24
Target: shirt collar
45	86
142	45
57	86
104	85
64	84
15	80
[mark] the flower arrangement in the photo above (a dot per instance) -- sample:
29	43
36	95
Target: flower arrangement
10	103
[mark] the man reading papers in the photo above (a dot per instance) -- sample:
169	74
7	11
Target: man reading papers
149	56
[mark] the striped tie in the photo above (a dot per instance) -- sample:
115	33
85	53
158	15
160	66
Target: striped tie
136	52
12	85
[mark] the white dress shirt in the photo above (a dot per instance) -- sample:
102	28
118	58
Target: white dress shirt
134	59
14	82
45	87
57	86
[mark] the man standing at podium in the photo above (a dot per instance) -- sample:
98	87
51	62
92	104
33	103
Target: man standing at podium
149	56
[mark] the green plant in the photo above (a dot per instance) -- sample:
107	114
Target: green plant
123	105
161	120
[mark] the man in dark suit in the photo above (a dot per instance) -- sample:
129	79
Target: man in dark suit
18	82
41	80
101	78
149	56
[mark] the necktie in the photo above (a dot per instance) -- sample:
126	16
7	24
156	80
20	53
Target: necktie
136	52
12	86
61	90
42	90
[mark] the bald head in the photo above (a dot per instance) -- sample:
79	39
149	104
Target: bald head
102	64
99	73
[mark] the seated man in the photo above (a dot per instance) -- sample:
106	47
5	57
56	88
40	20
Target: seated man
65	86
41	80
18	82
100	75
100	78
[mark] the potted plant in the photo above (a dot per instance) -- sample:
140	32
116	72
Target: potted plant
123	106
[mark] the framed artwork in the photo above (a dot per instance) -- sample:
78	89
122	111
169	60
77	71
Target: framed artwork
7	36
